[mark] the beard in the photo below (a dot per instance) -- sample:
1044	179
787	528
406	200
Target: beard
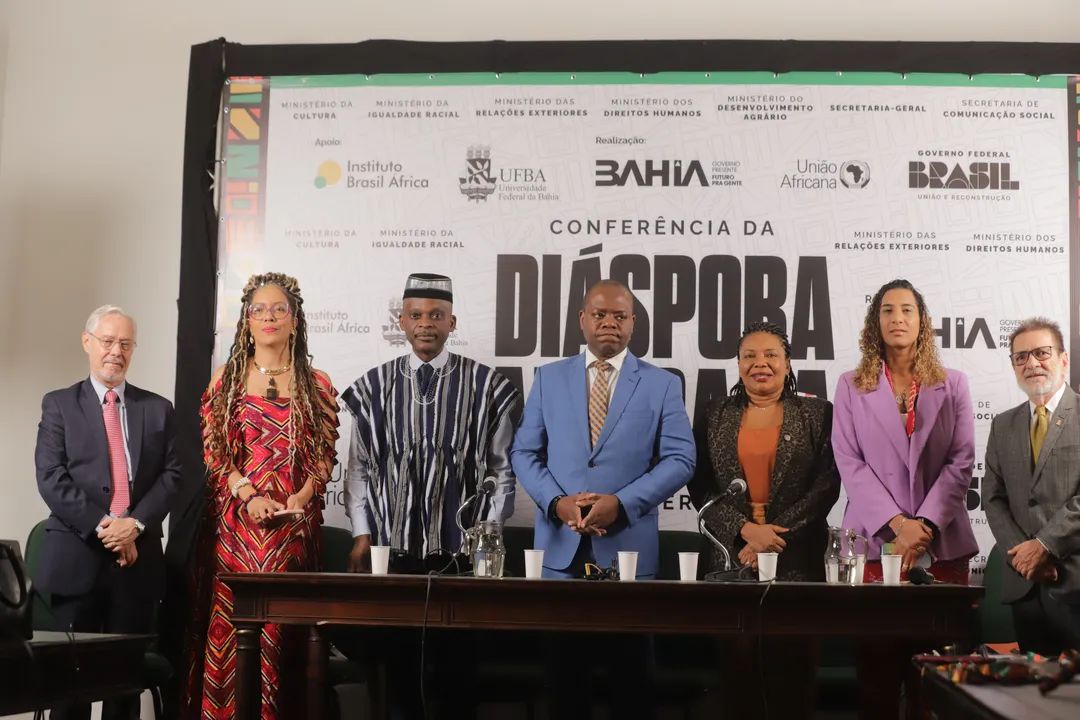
1043	384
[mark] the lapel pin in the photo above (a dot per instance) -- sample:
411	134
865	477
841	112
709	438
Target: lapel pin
787	438
1060	421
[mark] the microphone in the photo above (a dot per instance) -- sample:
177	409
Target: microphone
483	491
920	576
734	489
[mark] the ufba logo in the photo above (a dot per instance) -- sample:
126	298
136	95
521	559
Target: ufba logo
329	173
478	182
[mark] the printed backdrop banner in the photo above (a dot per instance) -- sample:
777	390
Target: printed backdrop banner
720	199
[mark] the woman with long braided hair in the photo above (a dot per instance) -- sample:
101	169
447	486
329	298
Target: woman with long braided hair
269	429
778	441
905	441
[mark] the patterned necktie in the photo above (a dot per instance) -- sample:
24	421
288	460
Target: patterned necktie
1038	432
423	378
598	399
121	498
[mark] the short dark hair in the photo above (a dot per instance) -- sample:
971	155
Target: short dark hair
1039	323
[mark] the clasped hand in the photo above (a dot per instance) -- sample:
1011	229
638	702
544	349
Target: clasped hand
604	512
760	538
912	541
118	535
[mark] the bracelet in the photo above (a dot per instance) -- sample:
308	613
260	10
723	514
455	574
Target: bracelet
251	497
239	484
902	521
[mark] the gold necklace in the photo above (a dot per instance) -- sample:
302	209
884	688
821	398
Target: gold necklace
271	389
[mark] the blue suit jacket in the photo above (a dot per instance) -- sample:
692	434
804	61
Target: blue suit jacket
644	454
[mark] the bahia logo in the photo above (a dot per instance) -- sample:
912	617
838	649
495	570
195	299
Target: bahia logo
650	173
479	182
329	173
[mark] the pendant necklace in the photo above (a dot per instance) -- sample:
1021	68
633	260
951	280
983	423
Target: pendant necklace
271	390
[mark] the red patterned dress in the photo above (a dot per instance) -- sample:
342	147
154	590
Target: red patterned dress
230	542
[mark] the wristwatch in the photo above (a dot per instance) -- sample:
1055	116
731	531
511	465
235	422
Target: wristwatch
552	505
139	526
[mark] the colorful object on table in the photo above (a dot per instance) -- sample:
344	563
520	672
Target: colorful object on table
1067	666
1021	669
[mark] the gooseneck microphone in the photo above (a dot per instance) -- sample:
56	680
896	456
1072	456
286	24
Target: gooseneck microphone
735	488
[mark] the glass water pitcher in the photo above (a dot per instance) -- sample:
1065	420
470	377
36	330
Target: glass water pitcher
844	563
489	551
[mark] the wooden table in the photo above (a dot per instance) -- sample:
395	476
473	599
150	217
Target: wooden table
56	669
950	701
890	617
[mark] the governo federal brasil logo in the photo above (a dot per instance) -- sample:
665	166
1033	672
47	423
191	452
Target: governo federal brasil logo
329	173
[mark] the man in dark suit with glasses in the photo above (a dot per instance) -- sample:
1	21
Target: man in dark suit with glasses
107	468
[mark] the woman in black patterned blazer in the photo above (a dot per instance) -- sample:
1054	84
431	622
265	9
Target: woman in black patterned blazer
779	442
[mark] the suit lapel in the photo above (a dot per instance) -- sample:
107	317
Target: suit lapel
927	408
95	417
1061	418
624	389
725	439
135	429
579	397
882	404
785	448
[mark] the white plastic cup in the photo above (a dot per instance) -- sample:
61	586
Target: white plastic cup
380	559
766	566
627	565
534	564
890	569
688	566
860	570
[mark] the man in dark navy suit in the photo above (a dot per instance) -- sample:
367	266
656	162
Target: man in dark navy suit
107	468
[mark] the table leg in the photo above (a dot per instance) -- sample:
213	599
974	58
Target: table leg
248	675
317	660
880	673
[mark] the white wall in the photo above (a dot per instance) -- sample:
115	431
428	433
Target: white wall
93	99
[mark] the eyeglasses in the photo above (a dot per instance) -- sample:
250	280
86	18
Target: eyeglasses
126	346
279	311
1041	353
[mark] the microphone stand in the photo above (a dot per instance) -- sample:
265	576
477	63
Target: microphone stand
728	574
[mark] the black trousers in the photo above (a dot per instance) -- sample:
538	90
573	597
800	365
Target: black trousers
575	662
446	689
1044	624
113	605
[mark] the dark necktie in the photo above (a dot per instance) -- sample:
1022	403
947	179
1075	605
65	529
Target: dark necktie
423	378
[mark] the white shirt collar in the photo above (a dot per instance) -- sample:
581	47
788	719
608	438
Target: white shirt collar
1052	403
616	361
101	390
436	363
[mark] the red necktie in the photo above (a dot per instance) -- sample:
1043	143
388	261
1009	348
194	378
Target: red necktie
121	498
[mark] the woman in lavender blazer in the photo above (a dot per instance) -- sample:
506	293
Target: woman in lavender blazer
904	439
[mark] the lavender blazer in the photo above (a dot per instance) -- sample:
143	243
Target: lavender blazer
884	473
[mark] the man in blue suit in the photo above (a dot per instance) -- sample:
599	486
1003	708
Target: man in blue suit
604	440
